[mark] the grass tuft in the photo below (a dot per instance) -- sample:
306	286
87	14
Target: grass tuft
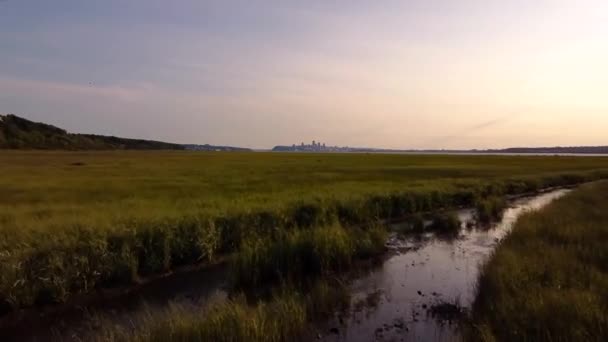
446	223
490	209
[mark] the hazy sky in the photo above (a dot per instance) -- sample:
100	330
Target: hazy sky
397	74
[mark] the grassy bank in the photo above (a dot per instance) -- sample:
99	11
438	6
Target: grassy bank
548	280
286	316
74	222
277	320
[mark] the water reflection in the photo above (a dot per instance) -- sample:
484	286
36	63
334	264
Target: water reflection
427	282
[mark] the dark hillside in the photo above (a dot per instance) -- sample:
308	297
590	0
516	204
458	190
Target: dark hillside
20	133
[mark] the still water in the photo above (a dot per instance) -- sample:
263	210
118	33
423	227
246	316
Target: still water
400	300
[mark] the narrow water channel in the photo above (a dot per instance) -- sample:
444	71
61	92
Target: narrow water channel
391	302
415	293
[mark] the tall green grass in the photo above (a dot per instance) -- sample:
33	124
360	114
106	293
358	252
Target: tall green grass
302	255
71	223
548	280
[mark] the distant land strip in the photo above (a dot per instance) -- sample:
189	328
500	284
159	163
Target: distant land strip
513	150
22	134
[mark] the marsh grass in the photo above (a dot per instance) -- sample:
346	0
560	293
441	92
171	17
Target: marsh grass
491	209
119	217
280	319
301	255
446	223
548	280
286	316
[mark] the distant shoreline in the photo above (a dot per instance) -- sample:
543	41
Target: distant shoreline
560	150
462	153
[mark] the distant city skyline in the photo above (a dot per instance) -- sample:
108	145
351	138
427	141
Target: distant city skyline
420	74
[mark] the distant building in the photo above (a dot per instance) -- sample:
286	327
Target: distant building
314	146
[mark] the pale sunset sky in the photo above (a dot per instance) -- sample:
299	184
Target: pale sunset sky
393	74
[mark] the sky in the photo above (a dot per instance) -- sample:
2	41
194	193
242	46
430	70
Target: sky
393	74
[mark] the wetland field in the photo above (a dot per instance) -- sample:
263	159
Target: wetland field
198	246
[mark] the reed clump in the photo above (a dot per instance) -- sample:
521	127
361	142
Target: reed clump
491	209
300	255
446	223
